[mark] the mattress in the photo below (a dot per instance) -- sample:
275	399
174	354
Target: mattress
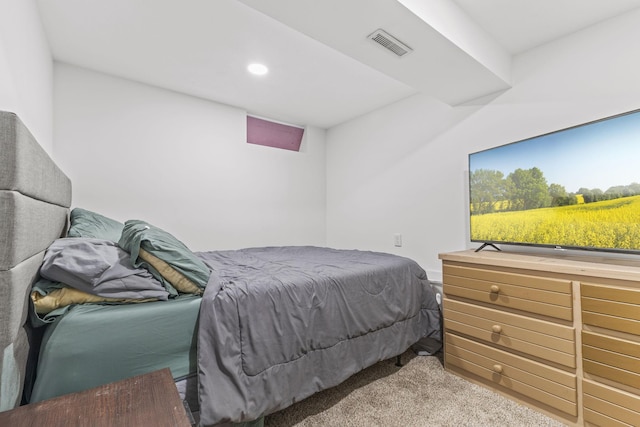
94	344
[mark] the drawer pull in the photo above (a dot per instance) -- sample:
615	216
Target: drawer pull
497	369
496	328
495	289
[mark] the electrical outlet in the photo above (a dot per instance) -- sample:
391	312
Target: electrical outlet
397	240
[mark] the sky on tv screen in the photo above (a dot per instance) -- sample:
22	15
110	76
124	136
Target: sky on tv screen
600	155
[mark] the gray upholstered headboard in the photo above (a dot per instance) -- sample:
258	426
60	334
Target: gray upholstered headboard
35	196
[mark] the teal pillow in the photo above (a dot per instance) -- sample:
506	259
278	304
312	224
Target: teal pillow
137	235
89	224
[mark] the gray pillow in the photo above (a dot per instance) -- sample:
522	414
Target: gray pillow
85	223
99	267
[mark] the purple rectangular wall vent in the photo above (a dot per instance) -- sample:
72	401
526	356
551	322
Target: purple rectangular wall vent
272	134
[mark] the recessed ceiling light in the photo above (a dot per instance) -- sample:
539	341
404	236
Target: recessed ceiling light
258	69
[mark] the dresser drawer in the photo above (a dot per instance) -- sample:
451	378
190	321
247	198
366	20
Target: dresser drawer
535	294
613	358
548	385
606	406
539	338
611	307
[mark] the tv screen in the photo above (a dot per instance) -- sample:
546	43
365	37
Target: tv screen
576	188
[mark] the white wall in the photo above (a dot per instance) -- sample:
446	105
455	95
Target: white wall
403	169
26	70
183	164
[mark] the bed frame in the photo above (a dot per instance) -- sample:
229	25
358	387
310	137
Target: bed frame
35	196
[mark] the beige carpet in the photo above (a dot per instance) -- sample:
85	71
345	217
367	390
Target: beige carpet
420	393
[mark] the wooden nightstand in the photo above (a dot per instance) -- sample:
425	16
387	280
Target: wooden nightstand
145	400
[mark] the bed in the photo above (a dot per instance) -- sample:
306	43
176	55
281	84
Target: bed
245	332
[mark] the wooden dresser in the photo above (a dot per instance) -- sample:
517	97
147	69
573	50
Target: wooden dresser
559	334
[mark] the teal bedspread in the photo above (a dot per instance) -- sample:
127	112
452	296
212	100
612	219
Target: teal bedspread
96	344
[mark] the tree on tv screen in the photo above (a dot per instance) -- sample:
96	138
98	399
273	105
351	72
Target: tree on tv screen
525	189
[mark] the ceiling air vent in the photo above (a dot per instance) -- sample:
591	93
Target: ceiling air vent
389	42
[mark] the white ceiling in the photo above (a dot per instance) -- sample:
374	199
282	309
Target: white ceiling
520	25
323	69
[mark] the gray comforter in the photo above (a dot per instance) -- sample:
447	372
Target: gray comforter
279	324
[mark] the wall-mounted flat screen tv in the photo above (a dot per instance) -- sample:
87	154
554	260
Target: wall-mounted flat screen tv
576	188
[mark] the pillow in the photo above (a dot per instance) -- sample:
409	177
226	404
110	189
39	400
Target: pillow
85	223
99	267
177	279
183	269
